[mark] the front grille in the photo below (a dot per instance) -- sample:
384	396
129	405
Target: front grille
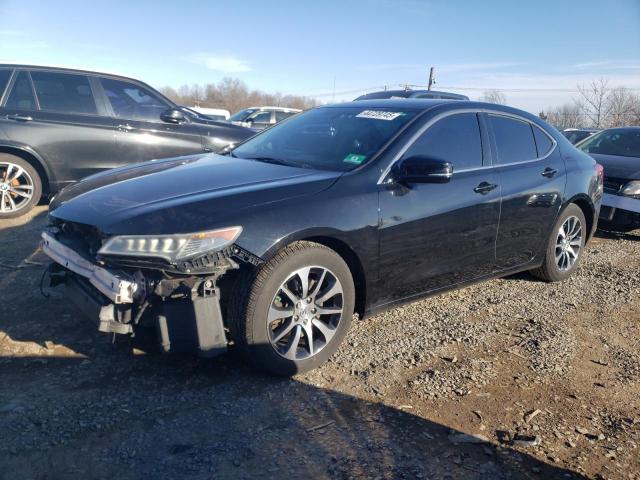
613	185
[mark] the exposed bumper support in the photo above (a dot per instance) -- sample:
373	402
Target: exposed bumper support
621	202
118	287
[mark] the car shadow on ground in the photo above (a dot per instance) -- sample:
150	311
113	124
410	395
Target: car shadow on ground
176	417
633	236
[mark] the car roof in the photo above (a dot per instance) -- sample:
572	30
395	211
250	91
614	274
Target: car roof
414	103
63	69
408	93
278	109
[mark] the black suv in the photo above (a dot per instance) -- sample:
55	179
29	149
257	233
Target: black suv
60	125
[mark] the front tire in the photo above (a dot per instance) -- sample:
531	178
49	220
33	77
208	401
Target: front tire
296	310
564	247
20	186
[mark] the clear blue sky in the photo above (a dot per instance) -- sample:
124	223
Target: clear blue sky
301	46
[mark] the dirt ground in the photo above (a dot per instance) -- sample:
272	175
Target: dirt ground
513	378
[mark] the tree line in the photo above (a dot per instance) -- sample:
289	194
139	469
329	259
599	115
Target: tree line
234	95
598	105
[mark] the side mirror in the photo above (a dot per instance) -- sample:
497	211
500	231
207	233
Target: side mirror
173	115
422	169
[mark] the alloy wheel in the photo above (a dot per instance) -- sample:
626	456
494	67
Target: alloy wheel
16	187
568	243
305	313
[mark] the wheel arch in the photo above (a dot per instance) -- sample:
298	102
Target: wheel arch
35	160
588	209
331	239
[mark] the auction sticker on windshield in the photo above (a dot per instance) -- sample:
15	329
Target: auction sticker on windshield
379	115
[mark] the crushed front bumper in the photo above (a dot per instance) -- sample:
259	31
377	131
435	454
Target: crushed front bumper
185	311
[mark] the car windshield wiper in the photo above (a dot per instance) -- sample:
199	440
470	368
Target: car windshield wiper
275	161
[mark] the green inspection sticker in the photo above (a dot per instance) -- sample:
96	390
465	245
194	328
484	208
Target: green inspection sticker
354	158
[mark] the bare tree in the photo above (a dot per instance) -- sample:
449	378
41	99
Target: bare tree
594	101
622	107
493	96
565	116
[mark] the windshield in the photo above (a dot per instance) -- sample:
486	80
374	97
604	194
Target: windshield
621	142
330	138
241	115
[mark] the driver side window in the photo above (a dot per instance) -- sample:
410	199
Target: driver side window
454	139
131	101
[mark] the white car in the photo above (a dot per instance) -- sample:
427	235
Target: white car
261	117
219	114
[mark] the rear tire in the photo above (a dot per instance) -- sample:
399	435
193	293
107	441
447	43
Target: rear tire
286	325
564	247
20	186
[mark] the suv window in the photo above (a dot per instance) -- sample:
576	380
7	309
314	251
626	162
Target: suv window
63	92
262	118
282	115
21	96
132	101
514	139
454	139
543	143
4	79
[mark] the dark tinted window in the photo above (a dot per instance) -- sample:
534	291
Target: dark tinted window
21	96
241	115
282	115
62	92
624	142
514	139
129	100
262	117
4	79
455	139
543	142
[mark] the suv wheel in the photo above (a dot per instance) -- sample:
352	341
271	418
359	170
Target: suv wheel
565	246
20	186
297	310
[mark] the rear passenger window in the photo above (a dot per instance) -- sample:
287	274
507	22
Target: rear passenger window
514	139
21	96
4	79
543	143
63	92
454	139
282	115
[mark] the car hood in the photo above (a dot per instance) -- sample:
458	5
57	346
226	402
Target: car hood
626	168
185	194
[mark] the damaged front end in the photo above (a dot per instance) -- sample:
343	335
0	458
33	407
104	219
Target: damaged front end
168	282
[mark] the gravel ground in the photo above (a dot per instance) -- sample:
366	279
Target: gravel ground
513	378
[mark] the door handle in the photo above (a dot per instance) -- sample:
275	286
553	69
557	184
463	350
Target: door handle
549	172
19	118
125	128
485	188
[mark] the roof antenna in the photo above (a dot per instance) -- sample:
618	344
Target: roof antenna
432	79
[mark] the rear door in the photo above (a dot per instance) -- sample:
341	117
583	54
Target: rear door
532	176
140	133
57	115
433	236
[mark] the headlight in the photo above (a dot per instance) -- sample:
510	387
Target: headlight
631	189
171	247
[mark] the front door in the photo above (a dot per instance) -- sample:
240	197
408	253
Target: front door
437	235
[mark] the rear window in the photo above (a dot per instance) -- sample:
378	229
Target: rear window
514	139
63	92
4	79
21	96
543	142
